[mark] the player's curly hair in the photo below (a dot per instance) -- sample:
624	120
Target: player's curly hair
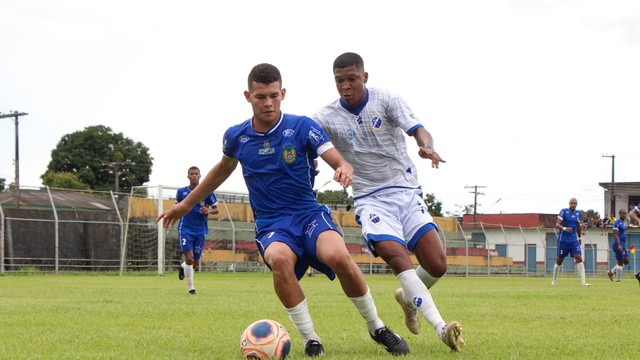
348	59
264	74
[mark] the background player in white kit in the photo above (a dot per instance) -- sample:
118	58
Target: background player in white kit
367	126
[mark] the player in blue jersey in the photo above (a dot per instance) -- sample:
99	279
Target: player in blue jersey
193	227
635	215
569	240
619	245
368	126
277	153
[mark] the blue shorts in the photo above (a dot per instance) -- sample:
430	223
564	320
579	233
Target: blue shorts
619	254
569	247
300	233
191	242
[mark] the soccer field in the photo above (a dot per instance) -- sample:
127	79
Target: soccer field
153	317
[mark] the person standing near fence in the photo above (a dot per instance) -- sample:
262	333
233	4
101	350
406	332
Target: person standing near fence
635	215
569	240
193	227
277	153
367	126
619	245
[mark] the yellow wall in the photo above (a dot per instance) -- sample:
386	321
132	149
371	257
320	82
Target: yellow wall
145	207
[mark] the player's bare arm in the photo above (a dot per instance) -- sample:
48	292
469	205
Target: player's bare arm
343	169
216	176
425	143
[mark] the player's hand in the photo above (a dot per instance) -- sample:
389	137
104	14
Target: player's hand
619	247
344	174
204	210
430	153
172	215
569	229
315	164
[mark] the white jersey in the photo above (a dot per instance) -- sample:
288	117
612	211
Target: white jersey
372	139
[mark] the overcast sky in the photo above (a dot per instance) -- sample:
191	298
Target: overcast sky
523	97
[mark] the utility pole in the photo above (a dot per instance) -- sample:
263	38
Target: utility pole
613	182
16	115
475	201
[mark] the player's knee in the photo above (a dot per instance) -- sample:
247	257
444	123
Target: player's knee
338	261
280	261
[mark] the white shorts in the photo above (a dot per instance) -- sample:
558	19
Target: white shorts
400	216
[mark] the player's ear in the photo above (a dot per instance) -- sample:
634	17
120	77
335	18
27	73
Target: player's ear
247	95
366	77
283	92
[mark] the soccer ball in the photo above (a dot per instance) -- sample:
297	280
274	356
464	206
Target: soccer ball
265	339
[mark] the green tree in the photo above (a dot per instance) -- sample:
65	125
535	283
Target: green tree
331	197
96	155
434	205
2	182
64	180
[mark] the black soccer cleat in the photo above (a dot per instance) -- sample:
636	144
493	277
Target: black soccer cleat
181	273
638	278
391	342
192	291
313	348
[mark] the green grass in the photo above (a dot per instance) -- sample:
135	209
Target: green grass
153	317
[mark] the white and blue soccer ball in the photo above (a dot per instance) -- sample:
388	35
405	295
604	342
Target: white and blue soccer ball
265	339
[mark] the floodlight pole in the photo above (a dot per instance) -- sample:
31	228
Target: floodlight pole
16	115
613	183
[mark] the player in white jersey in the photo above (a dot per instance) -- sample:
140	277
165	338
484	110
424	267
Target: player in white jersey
635	215
277	153
368	127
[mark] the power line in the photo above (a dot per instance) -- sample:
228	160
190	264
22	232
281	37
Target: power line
475	200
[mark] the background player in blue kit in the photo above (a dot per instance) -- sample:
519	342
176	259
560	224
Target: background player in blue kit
619	245
293	231
193	227
635	215
368	126
569	242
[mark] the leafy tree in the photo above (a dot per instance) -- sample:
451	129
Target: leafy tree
96	155
2	182
65	180
434	205
331	197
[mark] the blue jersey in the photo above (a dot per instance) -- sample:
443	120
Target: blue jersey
621	226
570	219
278	166
194	222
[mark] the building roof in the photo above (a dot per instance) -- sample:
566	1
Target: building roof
61	199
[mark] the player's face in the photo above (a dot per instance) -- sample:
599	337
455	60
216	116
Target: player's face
623	215
194	177
572	204
351	84
265	100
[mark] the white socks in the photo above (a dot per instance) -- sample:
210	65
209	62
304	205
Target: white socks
581	274
367	309
427	279
188	274
416	292
556	270
301	319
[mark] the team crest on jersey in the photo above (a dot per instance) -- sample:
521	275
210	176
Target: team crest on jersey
266	149
351	135
289	154
288	132
243	139
376	123
374	218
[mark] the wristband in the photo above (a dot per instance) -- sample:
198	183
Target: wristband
564	228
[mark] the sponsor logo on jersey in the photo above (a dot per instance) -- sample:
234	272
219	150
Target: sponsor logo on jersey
376	123
243	139
374	218
315	135
288	132
289	154
266	149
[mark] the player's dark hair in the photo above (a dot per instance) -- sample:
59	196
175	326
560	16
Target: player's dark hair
193	168
264	74
348	59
